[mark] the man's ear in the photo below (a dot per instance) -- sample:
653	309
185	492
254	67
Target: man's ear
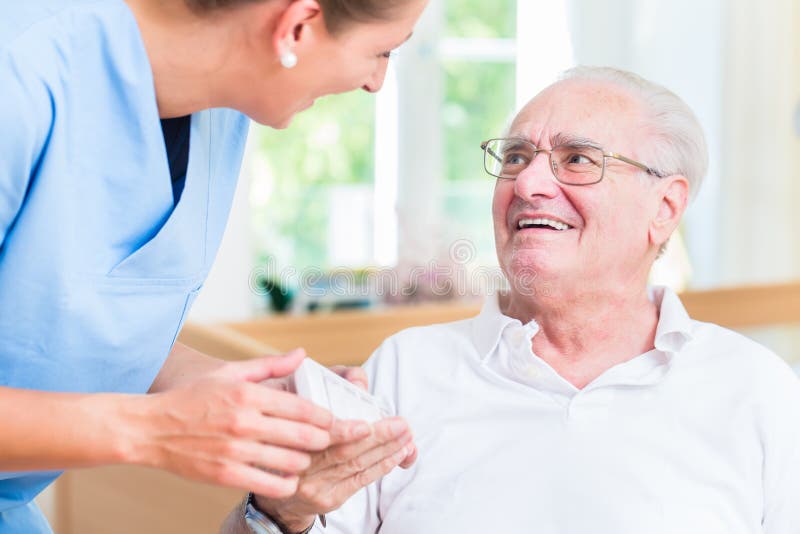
673	197
293	22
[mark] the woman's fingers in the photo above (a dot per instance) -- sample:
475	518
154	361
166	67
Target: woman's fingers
280	460
248	478
258	369
205	429
282	433
288	406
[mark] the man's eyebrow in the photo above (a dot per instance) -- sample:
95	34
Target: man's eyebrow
561	138
517	139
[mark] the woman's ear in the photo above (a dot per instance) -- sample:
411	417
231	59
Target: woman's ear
292	22
673	197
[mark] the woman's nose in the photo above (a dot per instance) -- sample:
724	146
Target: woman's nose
375	82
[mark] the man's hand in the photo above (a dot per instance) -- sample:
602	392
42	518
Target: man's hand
355	375
227	429
359	454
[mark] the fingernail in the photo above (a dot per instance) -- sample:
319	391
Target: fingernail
361	430
397	427
400	455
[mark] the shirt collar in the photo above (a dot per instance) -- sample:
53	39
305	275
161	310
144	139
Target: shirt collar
488	326
674	328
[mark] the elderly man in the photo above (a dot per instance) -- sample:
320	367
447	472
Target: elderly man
582	401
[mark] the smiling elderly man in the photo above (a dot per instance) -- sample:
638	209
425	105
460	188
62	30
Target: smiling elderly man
583	401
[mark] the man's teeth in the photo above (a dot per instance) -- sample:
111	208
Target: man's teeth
528	223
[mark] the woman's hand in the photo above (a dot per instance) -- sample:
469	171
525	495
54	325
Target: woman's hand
227	429
359	454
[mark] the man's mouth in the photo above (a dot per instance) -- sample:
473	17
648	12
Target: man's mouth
543	223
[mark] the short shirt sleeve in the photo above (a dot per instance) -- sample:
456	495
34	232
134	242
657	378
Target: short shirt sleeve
26	116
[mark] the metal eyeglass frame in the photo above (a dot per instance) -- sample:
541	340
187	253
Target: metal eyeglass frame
485	147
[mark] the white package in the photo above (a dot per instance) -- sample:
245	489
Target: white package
325	388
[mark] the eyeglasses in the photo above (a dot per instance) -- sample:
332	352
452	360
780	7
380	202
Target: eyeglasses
577	163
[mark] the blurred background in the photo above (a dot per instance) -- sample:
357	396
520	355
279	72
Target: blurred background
375	202
372	191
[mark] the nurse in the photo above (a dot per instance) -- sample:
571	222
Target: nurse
119	154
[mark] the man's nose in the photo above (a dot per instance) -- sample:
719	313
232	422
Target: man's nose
375	81
537	179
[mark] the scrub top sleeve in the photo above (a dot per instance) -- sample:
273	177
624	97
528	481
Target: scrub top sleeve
26	119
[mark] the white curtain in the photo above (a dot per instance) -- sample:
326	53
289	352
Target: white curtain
761	158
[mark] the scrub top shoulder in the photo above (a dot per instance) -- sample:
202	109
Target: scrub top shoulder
99	260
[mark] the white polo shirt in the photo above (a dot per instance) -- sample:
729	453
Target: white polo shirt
699	436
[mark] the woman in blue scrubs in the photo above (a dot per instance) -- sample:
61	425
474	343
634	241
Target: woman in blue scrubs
123	125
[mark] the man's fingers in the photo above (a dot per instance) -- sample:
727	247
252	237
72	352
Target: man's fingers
383	432
376	455
348	431
390	428
376	471
355	375
388	434
411	458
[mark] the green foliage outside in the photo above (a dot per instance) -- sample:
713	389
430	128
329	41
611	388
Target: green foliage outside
495	19
479	101
333	143
328	145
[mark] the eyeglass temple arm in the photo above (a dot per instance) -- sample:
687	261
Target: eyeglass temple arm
485	146
645	168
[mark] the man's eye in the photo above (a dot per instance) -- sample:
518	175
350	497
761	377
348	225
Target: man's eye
514	158
579	159
389	54
586	157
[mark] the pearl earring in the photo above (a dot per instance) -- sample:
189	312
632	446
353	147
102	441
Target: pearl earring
288	59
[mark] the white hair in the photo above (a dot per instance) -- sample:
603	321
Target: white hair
678	145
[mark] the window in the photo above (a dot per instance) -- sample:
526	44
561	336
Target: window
311	194
360	180
477	57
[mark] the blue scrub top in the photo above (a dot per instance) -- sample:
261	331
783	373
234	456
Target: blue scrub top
98	263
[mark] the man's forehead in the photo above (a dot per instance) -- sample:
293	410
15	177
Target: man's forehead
589	111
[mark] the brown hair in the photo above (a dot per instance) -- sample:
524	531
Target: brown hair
337	13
